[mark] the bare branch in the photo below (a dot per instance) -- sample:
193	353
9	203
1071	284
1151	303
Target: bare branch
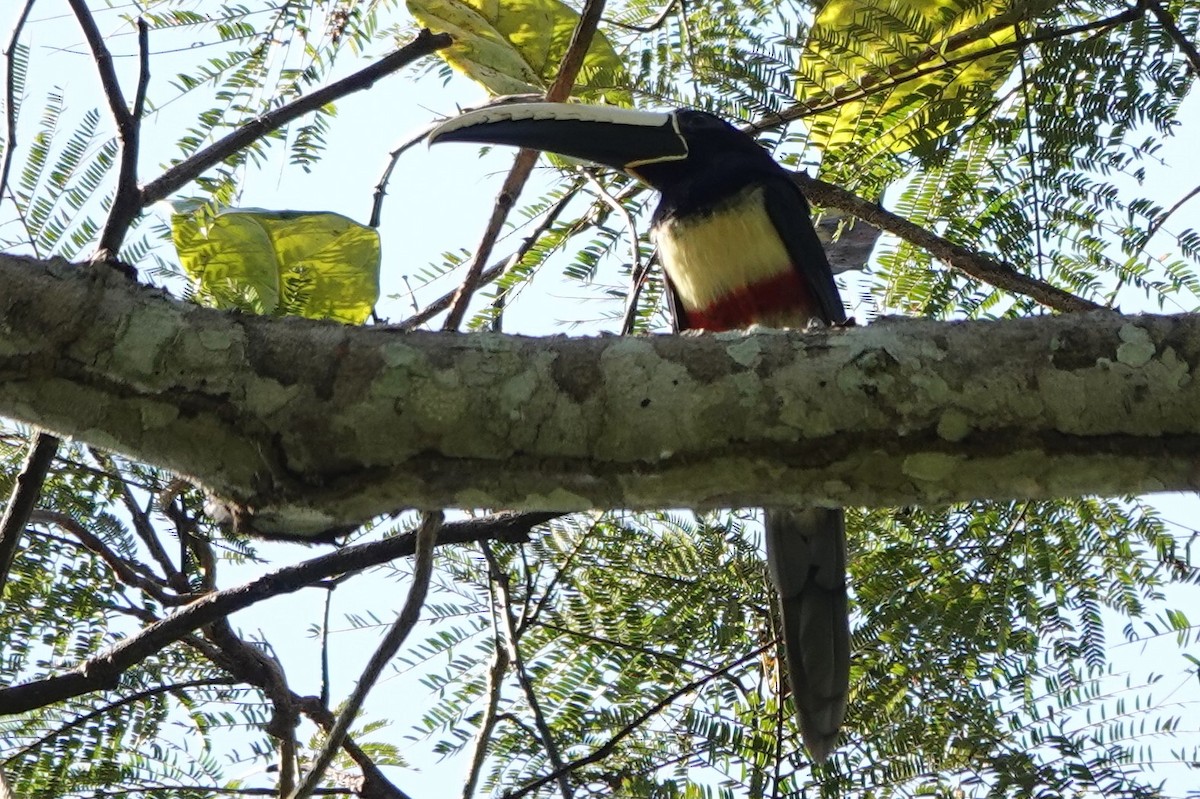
559	91
975	264
493	691
104	670
10	94
189	169
26	490
1181	40
502	609
425	541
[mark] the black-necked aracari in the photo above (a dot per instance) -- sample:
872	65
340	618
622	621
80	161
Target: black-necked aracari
736	240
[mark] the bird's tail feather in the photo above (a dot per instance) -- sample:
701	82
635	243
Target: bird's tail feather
806	557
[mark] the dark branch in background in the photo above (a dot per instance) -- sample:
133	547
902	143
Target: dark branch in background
1152	231
103	670
559	91
1188	47
140	696
607	748
510	638
425	541
654	25
26	490
909	71
975	264
10	96
189	169
122	568
498	269
126	205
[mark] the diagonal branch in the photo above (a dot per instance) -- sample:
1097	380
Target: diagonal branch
126	204
189	169
1181	40
104	670
27	488
975	264
425	541
611	744
502	607
559	91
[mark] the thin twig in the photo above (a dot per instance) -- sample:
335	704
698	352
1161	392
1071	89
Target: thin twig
637	269
560	90
493	690
24	498
654	25
1034	183
99	712
104	669
10	94
381	186
1188	47
426	539
1152	231
607	748
502	607
189	169
975	264
497	269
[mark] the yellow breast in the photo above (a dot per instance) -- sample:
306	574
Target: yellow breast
712	256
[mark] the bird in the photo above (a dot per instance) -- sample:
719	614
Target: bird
738	248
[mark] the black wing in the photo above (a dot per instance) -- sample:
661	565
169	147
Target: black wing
792	219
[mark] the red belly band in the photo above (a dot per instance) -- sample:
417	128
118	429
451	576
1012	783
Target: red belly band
780	301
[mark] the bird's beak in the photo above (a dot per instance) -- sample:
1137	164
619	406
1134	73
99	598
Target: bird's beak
616	137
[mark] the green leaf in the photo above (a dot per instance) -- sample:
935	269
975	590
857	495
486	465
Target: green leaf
911	63
515	46
284	263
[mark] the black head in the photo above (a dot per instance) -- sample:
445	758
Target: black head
719	159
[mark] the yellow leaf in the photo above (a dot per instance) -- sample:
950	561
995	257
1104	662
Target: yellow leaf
317	265
896	56
515	46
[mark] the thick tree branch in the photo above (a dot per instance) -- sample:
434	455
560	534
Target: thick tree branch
307	426
103	670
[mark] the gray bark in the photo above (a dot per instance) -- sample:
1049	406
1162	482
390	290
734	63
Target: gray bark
306	426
